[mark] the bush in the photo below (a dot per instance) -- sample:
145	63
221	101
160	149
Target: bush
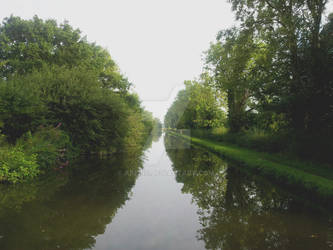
17	165
52	146
33	153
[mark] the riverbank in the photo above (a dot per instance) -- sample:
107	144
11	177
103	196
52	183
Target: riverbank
310	180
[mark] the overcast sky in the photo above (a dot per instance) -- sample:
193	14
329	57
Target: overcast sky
156	43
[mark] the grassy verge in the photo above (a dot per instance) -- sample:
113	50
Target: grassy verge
252	144
304	180
297	145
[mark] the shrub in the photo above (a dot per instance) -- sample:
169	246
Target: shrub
33	153
17	165
52	146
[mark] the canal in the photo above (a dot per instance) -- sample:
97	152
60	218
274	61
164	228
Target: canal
173	197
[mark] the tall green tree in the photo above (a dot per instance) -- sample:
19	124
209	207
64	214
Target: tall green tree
232	60
292	29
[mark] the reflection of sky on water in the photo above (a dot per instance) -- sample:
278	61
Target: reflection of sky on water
158	216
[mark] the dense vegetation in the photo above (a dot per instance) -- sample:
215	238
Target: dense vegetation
60	96
274	74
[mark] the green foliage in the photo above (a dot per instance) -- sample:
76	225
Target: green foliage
52	146
67	81
27	45
21	109
16	165
137	131
277	62
61	96
230	60
281	88
34	153
148	121
93	117
195	107
274	72
71	97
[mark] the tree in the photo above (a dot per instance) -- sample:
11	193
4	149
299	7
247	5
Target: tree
231	60
94	117
196	107
291	29
28	45
52	76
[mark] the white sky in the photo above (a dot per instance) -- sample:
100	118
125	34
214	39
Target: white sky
156	43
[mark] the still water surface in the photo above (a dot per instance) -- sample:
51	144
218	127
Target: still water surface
176	197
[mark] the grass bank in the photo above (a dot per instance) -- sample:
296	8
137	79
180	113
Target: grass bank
310	147
302	177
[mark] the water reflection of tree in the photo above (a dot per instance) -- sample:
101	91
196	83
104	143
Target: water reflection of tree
240	211
155	135
70	215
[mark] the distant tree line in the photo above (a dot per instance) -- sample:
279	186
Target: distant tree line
197	106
